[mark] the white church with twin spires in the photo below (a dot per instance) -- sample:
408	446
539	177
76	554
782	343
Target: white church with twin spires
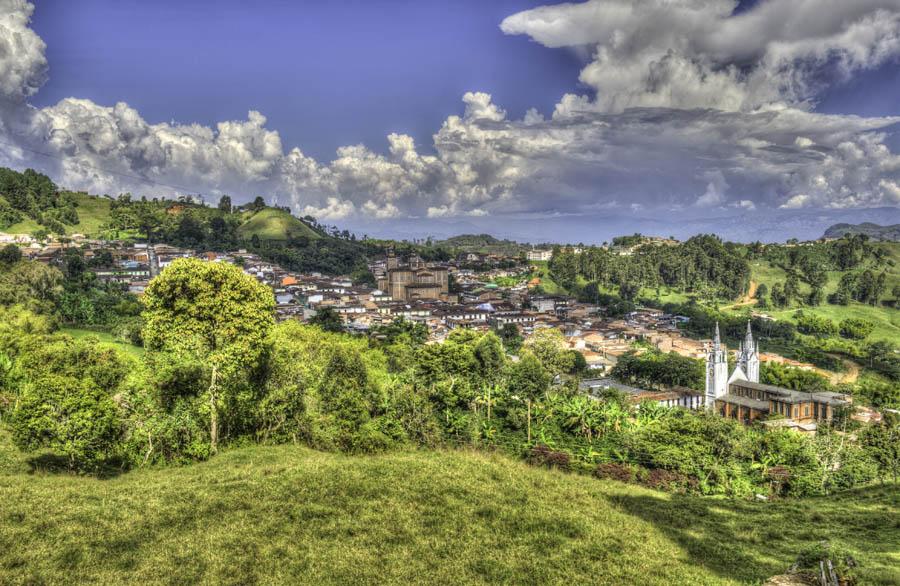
717	377
741	396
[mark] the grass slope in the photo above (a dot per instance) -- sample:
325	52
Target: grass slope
886	319
93	212
292	515
273	224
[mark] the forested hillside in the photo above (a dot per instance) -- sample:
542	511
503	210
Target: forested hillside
873	231
33	199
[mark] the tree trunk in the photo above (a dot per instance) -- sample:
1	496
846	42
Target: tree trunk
213	412
529	421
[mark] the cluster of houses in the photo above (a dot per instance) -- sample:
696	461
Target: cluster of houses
421	291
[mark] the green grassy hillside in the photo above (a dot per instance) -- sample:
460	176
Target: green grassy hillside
292	515
274	224
886	319
93	212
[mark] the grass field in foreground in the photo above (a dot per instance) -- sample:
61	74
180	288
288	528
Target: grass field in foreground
292	515
106	338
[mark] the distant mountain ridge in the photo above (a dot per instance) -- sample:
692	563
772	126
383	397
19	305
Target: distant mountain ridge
873	231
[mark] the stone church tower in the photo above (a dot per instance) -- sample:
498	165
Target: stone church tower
748	357
716	371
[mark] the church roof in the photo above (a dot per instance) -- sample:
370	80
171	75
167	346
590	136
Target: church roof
744	402
792	396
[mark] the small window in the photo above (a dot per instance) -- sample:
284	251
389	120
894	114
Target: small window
806	411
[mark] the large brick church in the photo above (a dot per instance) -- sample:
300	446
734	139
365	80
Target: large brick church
741	396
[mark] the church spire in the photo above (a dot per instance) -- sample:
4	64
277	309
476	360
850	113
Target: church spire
748	358
717	341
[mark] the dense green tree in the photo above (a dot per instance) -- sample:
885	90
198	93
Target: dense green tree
882	442
810	323
70	416
548	345
490	357
778	297
225	204
10	255
528	379
327	319
772	373
762	295
30	283
350	399
654	369
856	329
215	313
791	289
511	338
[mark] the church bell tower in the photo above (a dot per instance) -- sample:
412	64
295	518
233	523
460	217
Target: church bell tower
748	357
716	371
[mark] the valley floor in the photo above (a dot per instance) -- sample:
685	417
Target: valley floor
293	515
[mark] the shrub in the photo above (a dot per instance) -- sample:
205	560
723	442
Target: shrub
71	417
843	563
541	455
814	325
614	471
856	329
670	481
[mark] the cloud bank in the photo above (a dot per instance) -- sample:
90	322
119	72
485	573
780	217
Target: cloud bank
690	107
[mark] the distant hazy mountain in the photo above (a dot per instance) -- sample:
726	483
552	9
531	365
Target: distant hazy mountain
873	231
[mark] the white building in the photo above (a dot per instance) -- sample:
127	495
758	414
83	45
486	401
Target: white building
539	255
717	379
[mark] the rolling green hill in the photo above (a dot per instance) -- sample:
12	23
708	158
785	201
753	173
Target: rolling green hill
275	224
483	243
93	212
886	319
292	515
874	231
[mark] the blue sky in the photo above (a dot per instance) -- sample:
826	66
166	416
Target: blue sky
326	74
521	117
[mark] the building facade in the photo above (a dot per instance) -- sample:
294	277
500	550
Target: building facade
413	280
741	396
539	255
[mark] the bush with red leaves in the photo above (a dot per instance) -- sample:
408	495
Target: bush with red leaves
670	481
613	471
542	455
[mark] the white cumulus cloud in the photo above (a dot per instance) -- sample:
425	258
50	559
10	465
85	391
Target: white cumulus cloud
690	105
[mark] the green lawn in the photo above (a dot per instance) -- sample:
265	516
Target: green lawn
886	319
106	339
272	224
291	515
